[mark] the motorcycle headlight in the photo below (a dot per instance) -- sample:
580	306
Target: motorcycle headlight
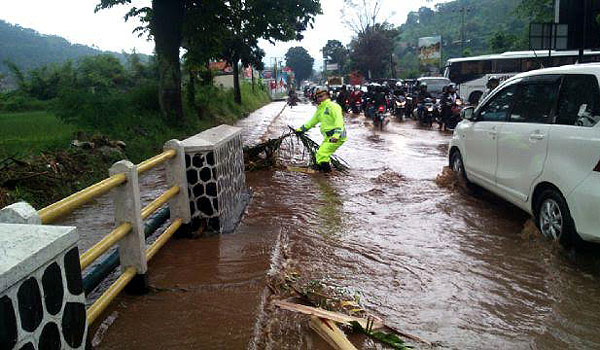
430	109
402	104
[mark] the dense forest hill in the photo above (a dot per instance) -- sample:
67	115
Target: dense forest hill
29	49
489	25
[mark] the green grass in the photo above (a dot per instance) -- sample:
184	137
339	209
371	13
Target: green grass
26	133
219	103
29	133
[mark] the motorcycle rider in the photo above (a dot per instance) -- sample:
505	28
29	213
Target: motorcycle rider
380	97
421	96
491	84
292	97
342	97
369	97
399	90
447	101
355	96
329	115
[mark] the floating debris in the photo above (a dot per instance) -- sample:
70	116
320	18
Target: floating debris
530	230
265	154
446	179
389	177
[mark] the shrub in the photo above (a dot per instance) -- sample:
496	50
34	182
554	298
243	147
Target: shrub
90	109
16	101
144	97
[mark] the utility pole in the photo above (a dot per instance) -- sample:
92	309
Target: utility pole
584	34
463	11
392	66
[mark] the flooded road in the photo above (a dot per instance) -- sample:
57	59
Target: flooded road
431	260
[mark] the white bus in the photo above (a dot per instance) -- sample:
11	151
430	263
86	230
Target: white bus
471	74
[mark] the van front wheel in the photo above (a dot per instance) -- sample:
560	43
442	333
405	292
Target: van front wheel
458	167
554	219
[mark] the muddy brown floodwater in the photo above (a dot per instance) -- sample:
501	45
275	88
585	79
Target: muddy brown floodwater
452	268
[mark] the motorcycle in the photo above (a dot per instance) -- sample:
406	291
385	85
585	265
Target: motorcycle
379	119
409	106
369	107
428	112
293	101
400	107
346	106
454	119
357	105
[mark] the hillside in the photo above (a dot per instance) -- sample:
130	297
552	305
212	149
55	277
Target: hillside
484	20
29	49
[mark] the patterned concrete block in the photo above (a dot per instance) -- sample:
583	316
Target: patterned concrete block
42	305
217	191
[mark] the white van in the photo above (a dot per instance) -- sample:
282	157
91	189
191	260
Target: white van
535	141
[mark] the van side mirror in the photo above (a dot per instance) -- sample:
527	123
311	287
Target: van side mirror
468	113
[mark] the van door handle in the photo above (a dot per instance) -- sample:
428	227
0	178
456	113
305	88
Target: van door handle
536	137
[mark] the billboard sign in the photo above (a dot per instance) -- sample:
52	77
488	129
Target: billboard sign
430	53
332	66
220	67
267	74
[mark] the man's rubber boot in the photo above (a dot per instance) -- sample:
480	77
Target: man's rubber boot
325	167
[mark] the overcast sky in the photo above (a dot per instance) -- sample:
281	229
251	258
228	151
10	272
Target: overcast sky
76	21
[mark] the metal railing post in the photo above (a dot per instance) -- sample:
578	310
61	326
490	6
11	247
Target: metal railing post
128	209
176	176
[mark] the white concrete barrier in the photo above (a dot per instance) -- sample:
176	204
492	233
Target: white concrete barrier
214	161
42	304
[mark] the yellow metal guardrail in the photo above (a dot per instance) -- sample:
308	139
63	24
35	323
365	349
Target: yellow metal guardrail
65	206
105	243
156	160
164	237
158	202
111	293
54	211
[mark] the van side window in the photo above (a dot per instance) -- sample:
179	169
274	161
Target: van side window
536	102
497	109
579	102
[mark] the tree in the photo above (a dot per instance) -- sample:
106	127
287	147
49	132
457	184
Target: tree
247	21
425	15
229	29
335	52
501	41
536	10
371	50
300	61
163	22
359	15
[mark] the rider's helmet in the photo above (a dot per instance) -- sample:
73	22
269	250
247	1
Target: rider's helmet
356	87
398	84
492	82
320	90
423	86
451	88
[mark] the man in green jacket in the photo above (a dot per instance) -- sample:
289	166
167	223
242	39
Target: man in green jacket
330	115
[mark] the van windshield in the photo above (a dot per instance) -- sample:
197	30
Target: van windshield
436	84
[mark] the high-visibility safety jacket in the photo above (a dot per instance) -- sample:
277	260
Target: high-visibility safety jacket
330	115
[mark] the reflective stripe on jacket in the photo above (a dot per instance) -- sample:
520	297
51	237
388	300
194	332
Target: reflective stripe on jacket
329	115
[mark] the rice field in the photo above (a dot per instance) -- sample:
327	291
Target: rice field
27	133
